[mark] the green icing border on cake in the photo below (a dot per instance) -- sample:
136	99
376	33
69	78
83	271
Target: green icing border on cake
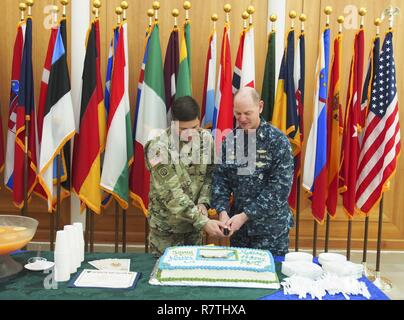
158	276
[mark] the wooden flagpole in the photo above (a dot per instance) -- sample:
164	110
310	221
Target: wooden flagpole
302	19
87	231
340	20
124	7
327	11
118	12
59	157
327	233
23	8
24	211
362	13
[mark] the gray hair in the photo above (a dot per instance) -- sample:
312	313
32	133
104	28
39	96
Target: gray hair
248	92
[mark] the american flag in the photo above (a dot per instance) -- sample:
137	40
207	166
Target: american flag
381	142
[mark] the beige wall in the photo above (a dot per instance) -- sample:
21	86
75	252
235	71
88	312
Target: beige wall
393	232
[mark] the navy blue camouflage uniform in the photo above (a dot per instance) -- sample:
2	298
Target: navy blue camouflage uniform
262	194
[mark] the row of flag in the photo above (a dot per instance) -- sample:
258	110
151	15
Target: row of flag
103	141
355	155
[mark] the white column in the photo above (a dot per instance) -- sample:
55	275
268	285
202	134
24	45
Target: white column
80	21
278	7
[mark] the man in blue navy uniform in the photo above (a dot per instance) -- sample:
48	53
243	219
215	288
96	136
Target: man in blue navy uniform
258	216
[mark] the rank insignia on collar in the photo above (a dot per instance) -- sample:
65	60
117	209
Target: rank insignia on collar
163	172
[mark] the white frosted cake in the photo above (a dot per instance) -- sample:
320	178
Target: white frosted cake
216	266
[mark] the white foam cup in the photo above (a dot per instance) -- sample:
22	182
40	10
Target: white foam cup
73	249
62	257
79	230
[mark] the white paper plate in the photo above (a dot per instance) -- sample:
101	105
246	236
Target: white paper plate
39	265
330	257
298	256
302	268
344	268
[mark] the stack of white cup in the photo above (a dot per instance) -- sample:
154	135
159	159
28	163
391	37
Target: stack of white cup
79	231
69	251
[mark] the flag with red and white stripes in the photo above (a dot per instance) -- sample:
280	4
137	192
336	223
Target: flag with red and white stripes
381	141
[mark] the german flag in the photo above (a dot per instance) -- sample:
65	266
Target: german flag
102	123
89	140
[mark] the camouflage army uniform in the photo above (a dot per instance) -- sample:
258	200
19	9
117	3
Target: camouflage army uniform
262	195
176	188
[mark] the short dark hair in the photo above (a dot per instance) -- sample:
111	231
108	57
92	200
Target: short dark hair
185	109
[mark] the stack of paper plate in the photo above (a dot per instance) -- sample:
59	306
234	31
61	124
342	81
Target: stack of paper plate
302	268
298	256
344	268
330	257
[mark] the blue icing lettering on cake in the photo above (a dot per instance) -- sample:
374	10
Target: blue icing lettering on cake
217	266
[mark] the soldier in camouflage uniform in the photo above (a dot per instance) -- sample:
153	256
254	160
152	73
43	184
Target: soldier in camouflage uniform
260	216
180	181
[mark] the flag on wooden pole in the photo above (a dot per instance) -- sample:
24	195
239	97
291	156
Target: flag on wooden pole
299	78
315	164
285	110
381	142
335	127
224	94
57	119
268	84
208	104
26	115
171	65
184	86
350	143
118	155
13	103
88	143
151	117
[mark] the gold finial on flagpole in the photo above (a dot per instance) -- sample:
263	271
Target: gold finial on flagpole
377	23
118	12
124	6
22	6
150	14
227	9
64	4
175	13
30	4
156	7
328	11
245	17
273	19
97	5
340	20
187	6
251	11
55	11
214	19
292	15
362	13
303	19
